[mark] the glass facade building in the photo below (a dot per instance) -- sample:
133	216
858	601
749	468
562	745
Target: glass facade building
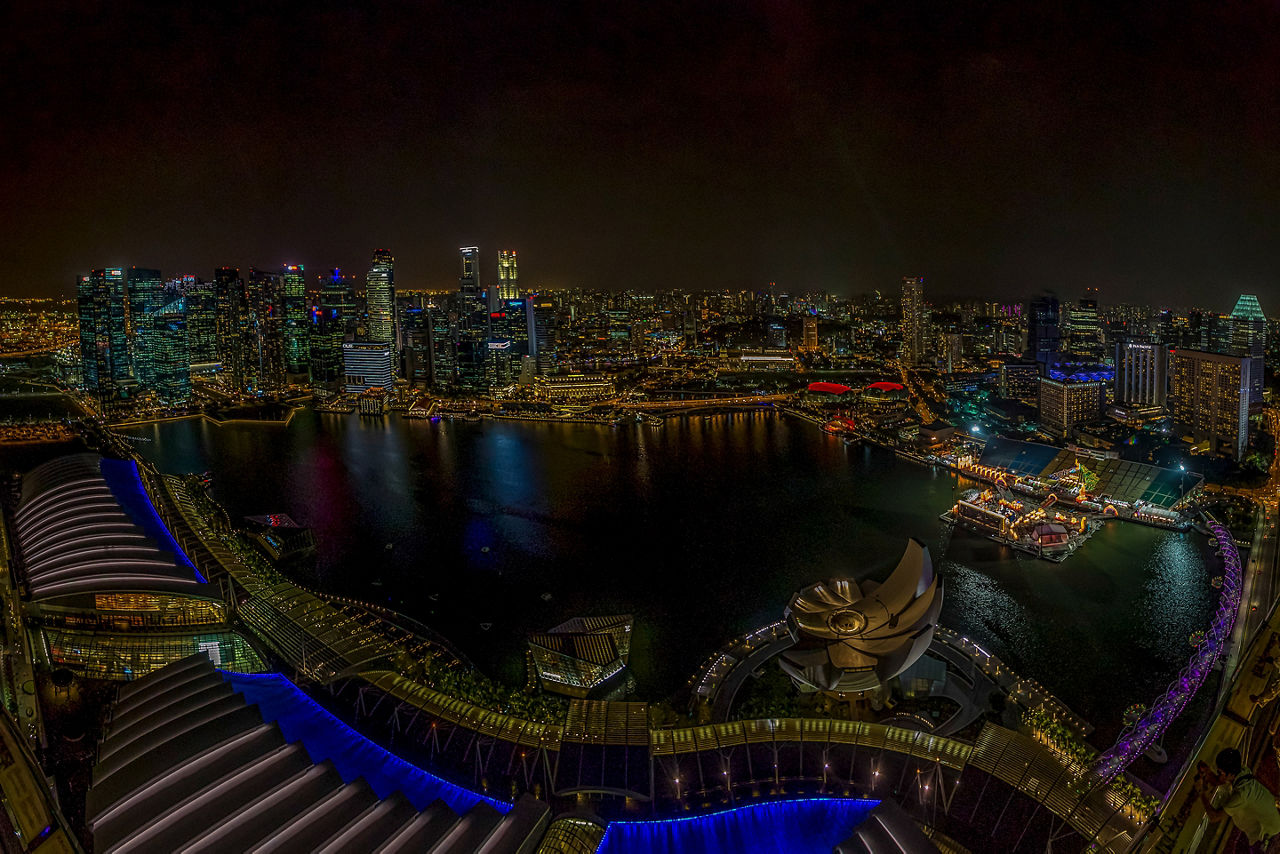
380	294
297	325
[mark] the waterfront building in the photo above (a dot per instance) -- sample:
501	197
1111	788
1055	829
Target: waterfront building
366	365
581	654
110	593
415	345
264	343
297	323
509	342
444	347
1140	374
145	294
335	308
196	758
542	331
232	321
170	352
202	320
573	388
1067	403
852	636
472	343
104	346
1248	339
380	296
914	320
1209	400
508	275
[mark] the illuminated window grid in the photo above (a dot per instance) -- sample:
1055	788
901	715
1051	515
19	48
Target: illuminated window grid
571	836
101	655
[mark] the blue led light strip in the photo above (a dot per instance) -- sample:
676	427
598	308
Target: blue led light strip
353	755
798	826
126	485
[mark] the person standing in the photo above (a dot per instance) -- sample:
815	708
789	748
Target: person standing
1240	796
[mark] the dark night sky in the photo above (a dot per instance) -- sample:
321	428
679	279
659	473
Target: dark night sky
996	148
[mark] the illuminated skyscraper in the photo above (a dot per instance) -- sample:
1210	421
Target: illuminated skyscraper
473	324
1140	374
366	365
1043	334
1209	399
1066	404
541	314
146	294
297	325
1084	331
809	334
202	317
104	341
469	281
265	339
1248	339
334	309
914	321
508	275
380	294
232	320
170	357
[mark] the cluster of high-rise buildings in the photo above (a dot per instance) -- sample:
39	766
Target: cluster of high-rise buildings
1078	361
144	337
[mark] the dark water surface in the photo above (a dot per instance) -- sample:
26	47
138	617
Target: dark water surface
701	528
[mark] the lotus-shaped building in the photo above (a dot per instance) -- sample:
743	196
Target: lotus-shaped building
852	637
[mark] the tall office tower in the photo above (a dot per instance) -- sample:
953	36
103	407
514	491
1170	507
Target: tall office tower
508	275
265	341
146	294
809	334
913	320
334	310
540	311
380	294
1043	334
201	306
104	341
414	345
1141	373
297	323
232	320
1248	339
509	342
469	281
444	346
1209	399
775	335
1066	404
473	324
1084	331
170	361
366	365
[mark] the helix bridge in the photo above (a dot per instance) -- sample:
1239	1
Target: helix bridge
1144	731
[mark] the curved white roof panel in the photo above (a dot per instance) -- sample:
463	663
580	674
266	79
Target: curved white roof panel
85	524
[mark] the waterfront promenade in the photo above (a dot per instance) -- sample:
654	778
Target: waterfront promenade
348	651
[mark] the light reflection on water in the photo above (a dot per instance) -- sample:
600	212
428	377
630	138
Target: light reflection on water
702	529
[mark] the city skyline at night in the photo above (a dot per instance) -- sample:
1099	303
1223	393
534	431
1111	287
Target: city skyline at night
826	148
640	428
